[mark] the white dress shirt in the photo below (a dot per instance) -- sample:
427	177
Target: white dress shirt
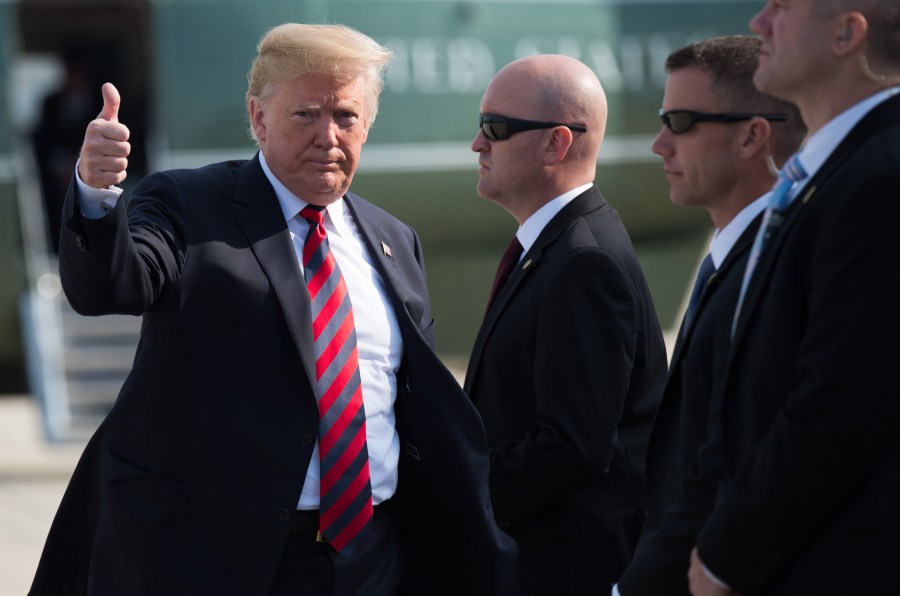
823	143
724	240
529	231
379	342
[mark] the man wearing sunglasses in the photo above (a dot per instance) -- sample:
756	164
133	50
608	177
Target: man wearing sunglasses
568	364
810	399
719	143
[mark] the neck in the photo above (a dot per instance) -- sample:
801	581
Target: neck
820	108
724	211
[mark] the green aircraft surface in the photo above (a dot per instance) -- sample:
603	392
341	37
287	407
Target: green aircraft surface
181	66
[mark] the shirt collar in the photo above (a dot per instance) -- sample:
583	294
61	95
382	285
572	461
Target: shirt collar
821	145
530	230
725	239
291	204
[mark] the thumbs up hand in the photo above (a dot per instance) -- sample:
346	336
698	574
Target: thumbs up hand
104	154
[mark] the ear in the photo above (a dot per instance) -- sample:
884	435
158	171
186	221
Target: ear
852	28
257	118
755	138
558	146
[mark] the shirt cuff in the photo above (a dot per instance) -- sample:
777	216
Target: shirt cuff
95	203
615	590
715	579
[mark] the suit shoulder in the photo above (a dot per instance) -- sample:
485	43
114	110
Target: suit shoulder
603	230
375	214
217	179
208	172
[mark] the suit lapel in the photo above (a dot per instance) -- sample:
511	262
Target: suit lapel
740	248
257	212
883	114
379	241
587	201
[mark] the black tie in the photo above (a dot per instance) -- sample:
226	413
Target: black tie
707	269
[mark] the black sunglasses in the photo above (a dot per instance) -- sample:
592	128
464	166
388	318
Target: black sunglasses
500	128
681	121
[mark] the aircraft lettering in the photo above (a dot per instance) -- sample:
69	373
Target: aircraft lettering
435	66
464	65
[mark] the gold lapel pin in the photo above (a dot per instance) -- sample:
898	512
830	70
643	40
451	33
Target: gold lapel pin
808	195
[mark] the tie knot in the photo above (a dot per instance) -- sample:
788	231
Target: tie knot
707	268
514	250
793	170
314	214
790	174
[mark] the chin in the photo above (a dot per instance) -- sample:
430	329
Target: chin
761	80
484	191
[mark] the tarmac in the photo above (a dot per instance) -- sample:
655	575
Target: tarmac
33	477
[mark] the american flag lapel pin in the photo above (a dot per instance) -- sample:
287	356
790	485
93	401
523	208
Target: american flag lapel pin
386	249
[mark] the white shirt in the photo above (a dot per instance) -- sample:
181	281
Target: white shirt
529	231
723	240
379	342
823	143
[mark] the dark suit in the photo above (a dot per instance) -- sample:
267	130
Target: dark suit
660	565
188	485
811	398
566	372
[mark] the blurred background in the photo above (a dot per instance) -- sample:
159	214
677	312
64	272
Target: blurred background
181	67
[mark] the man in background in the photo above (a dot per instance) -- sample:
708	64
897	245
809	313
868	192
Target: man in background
720	142
807	423
59	133
568	364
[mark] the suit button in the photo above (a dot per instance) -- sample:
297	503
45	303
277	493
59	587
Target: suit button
503	524
306	439
284	514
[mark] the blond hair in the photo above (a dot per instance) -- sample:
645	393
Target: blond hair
291	50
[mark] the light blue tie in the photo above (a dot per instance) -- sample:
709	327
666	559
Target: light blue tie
779	200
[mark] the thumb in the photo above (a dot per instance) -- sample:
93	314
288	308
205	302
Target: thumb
111	101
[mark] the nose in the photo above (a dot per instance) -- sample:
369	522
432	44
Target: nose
326	132
761	21
662	144
480	142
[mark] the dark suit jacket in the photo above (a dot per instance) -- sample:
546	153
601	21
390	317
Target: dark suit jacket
660	565
811	397
188	485
566	372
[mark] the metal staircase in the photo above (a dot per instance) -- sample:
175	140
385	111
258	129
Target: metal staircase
76	364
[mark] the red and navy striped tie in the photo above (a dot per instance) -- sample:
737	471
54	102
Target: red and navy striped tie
345	507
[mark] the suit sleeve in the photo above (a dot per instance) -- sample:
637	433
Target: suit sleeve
122	263
583	357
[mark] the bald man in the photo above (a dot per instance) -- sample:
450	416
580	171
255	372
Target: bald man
567	367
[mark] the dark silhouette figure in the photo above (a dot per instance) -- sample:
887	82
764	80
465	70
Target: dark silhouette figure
60	132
